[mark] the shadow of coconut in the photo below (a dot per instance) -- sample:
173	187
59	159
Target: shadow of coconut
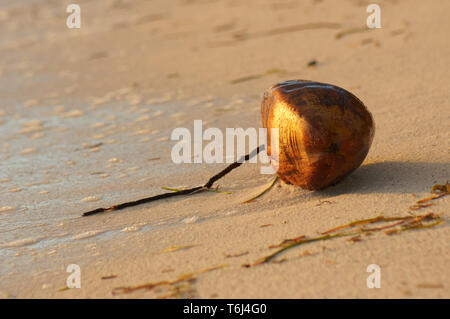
391	177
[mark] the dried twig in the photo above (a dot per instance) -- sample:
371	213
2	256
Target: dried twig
190	191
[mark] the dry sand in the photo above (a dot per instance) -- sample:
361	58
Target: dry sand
85	121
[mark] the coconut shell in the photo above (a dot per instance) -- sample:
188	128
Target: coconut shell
325	132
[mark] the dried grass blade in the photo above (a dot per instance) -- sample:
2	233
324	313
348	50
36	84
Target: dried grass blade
272	183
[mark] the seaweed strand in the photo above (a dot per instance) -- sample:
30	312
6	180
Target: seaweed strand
401	224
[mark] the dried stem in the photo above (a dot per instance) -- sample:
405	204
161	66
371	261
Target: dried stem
190	191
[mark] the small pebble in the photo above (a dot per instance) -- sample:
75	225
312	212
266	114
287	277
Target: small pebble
28	151
90	199
5	209
31	103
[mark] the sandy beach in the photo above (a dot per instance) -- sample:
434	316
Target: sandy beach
86	117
